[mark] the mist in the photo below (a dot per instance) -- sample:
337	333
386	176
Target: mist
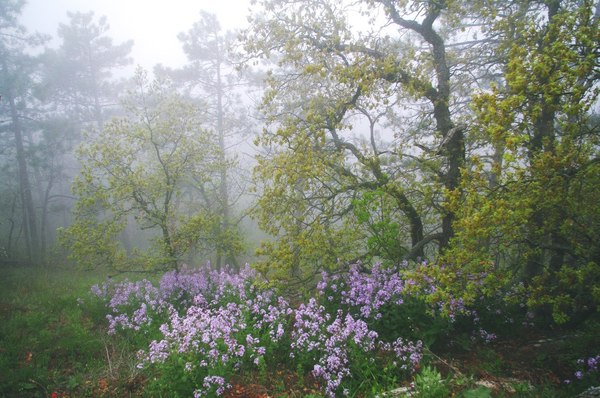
153	26
82	62
348	198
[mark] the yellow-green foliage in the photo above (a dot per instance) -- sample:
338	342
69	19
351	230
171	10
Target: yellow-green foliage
503	199
295	209
537	219
147	166
320	165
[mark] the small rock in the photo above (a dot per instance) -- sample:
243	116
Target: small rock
592	392
401	392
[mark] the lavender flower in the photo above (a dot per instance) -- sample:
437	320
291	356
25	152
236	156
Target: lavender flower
220	320
370	292
589	365
216	383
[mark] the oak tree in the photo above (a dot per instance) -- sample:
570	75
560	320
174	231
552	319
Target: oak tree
149	165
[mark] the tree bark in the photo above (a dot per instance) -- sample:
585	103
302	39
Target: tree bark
223	189
453	147
44	220
25	186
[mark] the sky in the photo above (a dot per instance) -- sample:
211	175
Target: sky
153	25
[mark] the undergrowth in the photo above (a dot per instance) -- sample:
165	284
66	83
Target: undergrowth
54	345
55	342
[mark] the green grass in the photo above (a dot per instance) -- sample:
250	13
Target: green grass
49	342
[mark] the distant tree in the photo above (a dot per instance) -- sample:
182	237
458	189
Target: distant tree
144	165
52	164
11	223
79	74
17	76
210	78
78	92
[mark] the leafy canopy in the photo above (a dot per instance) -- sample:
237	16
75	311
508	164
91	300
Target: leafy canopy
149	167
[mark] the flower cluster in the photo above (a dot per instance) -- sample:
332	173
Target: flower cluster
217	323
215	320
333	344
342	335
216	383
588	365
371	291
367	292
134	305
129	303
408	353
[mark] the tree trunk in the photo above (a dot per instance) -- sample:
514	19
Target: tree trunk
415	222
226	255
453	147
44	220
25	186
171	255
97	105
452	136
223	192
11	230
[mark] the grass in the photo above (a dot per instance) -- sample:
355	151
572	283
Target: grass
53	344
50	342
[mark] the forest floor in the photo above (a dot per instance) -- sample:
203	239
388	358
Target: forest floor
526	365
52	346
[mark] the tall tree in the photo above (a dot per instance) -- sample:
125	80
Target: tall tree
536	220
374	100
17	72
142	165
80	93
211	79
79	74
52	161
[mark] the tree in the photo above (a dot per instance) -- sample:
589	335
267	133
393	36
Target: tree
504	188
339	90
78	75
211	79
78	93
534	222
51	161
16	74
147	165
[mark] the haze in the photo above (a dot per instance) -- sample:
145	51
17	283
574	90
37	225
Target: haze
346	198
153	25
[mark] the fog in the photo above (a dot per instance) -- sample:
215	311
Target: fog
408	179
73	84
152	25
368	85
